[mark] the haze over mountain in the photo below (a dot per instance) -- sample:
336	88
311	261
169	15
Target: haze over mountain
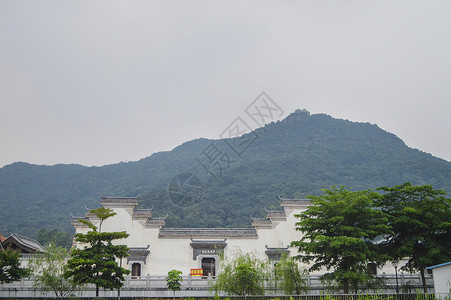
226	180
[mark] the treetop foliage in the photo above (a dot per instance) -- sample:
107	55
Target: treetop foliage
420	217
173	280
10	269
339	228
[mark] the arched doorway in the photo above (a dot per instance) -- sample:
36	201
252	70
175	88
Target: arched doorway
208	266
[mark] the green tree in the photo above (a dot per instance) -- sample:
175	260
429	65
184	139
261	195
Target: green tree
10	269
96	263
339	228
49	268
59	238
291	278
174	280
421	221
243	274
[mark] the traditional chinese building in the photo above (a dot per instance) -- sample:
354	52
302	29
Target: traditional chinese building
20	243
155	249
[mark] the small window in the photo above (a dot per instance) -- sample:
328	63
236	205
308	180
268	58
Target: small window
372	269
136	270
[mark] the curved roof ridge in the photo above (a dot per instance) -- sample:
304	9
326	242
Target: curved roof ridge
273	210
258	219
29	242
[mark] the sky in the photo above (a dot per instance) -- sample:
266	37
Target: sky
101	82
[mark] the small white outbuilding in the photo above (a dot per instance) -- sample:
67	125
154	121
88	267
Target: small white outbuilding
442	279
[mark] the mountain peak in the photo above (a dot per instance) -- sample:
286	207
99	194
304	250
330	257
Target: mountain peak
297	115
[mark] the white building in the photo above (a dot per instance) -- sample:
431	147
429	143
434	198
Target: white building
155	249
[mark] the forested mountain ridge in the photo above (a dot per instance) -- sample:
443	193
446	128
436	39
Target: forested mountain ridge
291	158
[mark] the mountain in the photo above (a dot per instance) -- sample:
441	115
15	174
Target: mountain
295	157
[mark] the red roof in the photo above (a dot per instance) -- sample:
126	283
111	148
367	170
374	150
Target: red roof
2	238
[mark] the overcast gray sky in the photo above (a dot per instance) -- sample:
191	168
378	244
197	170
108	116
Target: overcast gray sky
99	82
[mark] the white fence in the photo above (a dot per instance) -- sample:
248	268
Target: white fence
155	286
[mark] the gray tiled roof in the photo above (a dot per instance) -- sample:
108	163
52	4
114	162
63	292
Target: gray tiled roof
294	202
156	222
261	223
276	253
142	213
118	200
275	215
76	221
208	232
26	242
138	250
261	220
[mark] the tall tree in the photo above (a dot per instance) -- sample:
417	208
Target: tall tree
421	221
339	228
96	263
10	269
49	268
